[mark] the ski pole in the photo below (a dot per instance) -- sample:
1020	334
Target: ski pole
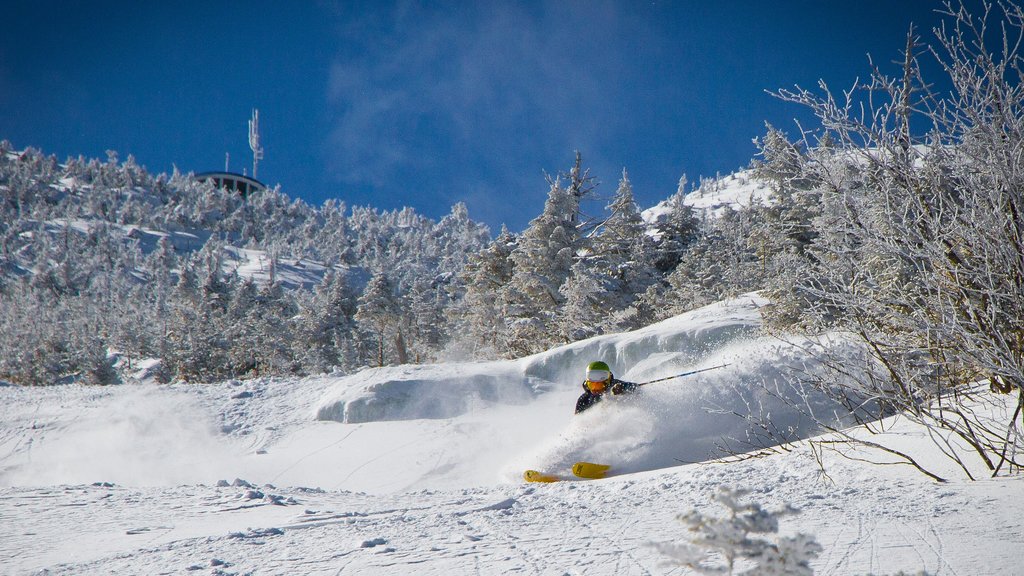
683	374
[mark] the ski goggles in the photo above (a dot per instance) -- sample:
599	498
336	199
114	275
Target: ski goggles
598	376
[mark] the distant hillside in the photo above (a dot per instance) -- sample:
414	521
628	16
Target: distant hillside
110	241
103	266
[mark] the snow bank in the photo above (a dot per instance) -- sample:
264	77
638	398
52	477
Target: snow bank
444	391
663	349
415	392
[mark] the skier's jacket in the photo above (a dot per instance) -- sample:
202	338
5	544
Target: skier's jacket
614	387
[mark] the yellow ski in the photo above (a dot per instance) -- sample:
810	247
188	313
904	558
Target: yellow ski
582	470
535	476
590	470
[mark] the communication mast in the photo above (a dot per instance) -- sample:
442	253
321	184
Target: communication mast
240	183
254	140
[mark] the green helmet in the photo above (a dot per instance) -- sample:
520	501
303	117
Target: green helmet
598	372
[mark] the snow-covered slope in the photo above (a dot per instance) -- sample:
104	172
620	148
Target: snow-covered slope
415	469
291	273
735	191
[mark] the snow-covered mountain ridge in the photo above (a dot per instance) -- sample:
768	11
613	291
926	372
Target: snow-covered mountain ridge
732	191
217	285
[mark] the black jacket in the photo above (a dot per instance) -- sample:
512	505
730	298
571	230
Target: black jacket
615	387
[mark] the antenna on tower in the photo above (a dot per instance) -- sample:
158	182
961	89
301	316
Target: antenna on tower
254	140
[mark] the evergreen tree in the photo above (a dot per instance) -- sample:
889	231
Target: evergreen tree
676	230
618	235
587	303
479	328
622	252
780	160
721	263
196	341
542	261
326	325
378	312
241	326
424	319
271	321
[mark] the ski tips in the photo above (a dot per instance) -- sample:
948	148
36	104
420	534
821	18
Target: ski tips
590	470
581	470
535	476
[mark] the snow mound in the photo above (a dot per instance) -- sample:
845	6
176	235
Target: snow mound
415	392
656	351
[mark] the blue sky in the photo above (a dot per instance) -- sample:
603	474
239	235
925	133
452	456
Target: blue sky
422	104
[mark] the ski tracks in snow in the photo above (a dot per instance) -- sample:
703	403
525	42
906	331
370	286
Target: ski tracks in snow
515	529
867	518
598	527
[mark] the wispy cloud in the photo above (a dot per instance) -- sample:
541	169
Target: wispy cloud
433	97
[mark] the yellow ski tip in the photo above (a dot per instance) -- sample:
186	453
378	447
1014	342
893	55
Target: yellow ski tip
535	476
590	470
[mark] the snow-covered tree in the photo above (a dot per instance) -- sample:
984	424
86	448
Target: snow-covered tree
588	303
478	326
920	258
676	230
720	263
378	313
542	261
326	326
272	330
779	160
729	545
617	236
622	251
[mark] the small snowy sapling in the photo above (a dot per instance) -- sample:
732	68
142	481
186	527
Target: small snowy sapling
725	545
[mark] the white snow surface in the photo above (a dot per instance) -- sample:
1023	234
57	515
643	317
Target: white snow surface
715	195
417	469
248	263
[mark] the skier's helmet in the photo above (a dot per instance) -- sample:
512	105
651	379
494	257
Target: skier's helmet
598	375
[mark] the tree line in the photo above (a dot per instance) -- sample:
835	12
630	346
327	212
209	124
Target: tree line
82	290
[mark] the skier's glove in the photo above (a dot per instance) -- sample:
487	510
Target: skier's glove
618	389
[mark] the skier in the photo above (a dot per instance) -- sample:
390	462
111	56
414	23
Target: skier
600	380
